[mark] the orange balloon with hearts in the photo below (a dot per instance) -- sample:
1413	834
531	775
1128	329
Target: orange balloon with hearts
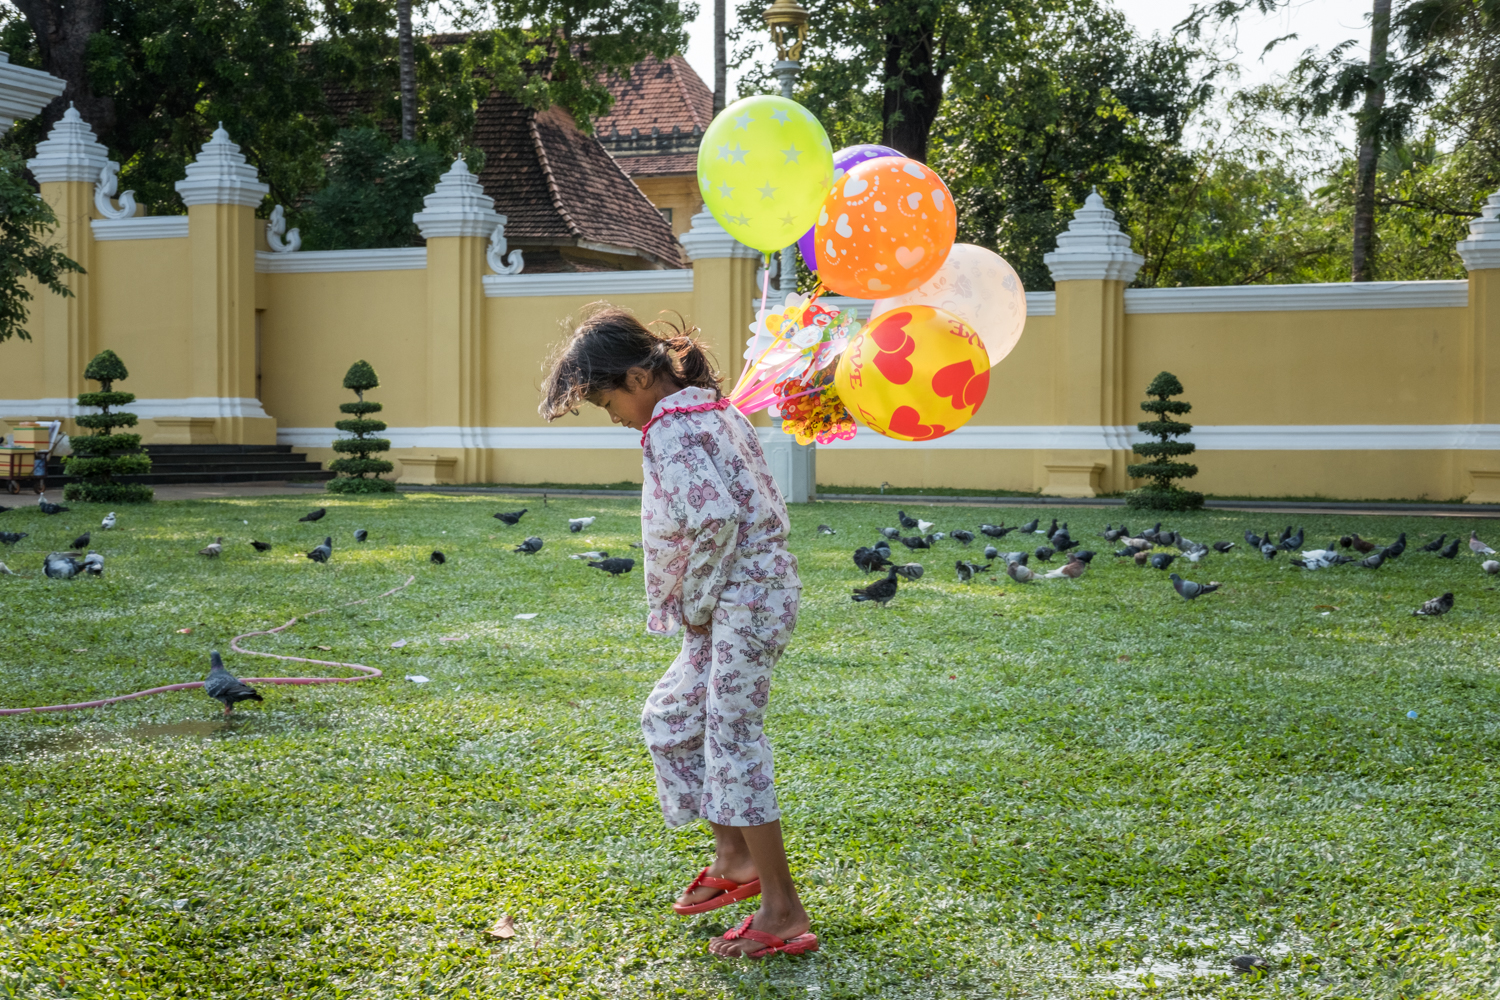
885	228
914	374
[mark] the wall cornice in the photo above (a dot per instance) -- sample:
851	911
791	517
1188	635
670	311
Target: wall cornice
588	283
145	227
328	261
1299	298
145	408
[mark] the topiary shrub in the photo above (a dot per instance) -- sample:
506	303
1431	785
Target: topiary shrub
356	468
1161	493
104	454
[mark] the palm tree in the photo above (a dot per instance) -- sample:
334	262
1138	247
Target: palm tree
407	58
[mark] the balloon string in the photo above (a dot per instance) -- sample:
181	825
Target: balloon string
760	324
366	673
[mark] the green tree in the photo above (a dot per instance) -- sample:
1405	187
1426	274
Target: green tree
374	186
99	457
1162	468
25	223
354	472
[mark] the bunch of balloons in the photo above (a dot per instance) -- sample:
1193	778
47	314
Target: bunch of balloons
871	224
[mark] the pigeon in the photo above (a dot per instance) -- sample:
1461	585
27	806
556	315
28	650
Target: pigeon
1360	544
1137	543
1162	560
213	549
967	570
1191	591
881	591
511	518
923	527
1450	551
1044	554
12	537
437	558
916	543
870	560
4	509
93	564
883	547
1019	572
906	522
1048	532
1073	569
1293	542
1490	566
7	571
1372	561
1252	539
108	522
1249	963
1222	547
1477	547
1111	533
1018	557
614	567
260	546
531	546
590	556
1436	543
1030	526
360	534
936	536
995	530
1167	538
1125	552
962	536
577	524
637	545
1346	542
1150	533
1285	534
1084	555
1268	550
1141	555
990	552
61	565
1193	555
909	571
314	515
323	552
1315	559
1436	606
1394	550
824	529
891	532
1062	543
224	687
48	507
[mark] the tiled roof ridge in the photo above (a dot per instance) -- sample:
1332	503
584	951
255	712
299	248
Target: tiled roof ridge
683	89
552	186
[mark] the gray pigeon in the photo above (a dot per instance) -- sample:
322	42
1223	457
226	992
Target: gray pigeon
917	543
360	534
824	529
1044	553
82	541
1161	560
881	591
967	570
511	517
323	552
224	687
1268	550
1019	572
891	533
48	507
1017	557
61	565
614	566
1373	560
909	571
314	515
962	536
12	537
1192	591
93	564
530	546
1436	606
1222	547
990	552
1245	964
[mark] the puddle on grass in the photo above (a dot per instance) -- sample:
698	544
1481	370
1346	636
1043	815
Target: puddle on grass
201	730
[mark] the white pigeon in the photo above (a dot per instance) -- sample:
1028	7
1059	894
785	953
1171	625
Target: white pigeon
590	556
1319	558
923	526
7	571
93	564
937	536
108	522
1193	555
577	524
1490	566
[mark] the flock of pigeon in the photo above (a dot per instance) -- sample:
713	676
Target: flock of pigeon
1140	548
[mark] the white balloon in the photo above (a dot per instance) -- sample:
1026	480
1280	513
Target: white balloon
980	288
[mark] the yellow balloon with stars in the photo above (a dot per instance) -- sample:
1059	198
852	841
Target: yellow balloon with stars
764	167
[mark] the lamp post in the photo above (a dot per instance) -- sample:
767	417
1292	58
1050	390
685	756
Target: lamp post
788	22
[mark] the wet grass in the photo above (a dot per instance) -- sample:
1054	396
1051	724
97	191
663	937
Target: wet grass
1086	789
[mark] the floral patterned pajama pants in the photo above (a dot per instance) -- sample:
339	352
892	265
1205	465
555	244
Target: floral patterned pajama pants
704	721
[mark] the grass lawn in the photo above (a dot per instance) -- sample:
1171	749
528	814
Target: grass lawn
1088	789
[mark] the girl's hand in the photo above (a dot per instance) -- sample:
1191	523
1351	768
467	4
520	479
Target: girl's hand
698	629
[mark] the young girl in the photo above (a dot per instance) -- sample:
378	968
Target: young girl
715	531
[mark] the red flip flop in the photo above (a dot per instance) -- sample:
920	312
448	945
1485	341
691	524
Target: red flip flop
731	892
799	945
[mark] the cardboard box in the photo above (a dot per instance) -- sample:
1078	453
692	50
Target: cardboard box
34	436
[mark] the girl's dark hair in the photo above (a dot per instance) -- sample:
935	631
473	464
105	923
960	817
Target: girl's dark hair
606	345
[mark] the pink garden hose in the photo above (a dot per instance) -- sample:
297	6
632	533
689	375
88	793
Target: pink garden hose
365	673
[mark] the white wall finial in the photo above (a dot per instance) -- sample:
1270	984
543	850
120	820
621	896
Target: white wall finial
104	193
70	152
277	237
707	239
221	176
1093	247
496	254
1481	250
458	206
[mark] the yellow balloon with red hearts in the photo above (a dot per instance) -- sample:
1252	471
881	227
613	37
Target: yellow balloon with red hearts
915	373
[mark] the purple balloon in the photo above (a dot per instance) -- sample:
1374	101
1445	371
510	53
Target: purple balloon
842	161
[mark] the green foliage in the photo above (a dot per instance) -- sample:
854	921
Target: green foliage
98	457
375	184
361	377
361	446
1161	493
358	469
356	486
26	252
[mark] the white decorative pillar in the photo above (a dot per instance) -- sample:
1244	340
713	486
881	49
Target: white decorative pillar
222	191
1091	266
1481	256
67	164
25	92
457	221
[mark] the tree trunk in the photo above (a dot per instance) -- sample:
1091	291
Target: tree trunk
721	58
913	86
408	62
62	35
1362	263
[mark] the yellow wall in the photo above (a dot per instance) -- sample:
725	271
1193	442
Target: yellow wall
679	193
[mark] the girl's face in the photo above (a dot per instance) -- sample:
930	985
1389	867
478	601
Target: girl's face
632	404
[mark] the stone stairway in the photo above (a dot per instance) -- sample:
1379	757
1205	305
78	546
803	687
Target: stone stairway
218	463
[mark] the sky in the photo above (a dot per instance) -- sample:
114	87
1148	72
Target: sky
1315	22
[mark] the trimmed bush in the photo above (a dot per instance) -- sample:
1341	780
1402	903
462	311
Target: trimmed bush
357	468
99	457
1162	493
